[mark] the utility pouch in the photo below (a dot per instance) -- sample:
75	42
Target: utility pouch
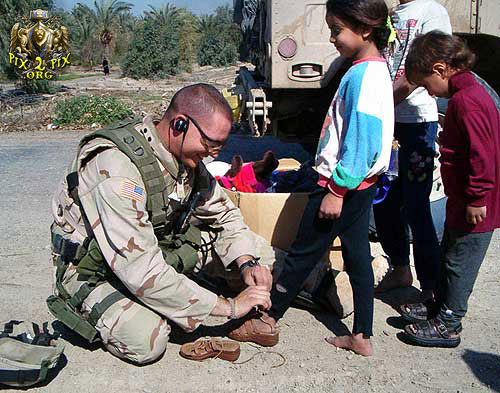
72	319
90	261
181	250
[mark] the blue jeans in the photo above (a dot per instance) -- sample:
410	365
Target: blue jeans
407	205
463	254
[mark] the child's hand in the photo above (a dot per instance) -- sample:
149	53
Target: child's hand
475	215
331	207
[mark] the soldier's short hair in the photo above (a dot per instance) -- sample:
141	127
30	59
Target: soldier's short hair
198	100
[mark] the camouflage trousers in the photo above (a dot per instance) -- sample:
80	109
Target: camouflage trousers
132	331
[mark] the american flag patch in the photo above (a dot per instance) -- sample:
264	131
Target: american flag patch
132	191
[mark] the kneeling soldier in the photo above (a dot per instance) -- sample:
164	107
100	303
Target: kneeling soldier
136	214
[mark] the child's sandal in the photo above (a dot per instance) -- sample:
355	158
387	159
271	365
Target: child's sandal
432	333
414	312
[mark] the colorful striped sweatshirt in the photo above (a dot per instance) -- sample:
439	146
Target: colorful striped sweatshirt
356	139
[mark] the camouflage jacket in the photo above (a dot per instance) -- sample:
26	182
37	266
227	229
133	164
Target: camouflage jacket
113	196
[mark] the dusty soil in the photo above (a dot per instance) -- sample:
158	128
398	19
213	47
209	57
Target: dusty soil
31	164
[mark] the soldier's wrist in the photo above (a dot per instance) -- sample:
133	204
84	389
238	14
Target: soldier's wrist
226	307
251	262
232	305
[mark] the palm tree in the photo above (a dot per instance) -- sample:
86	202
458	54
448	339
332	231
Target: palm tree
206	23
105	15
165	14
189	38
85	25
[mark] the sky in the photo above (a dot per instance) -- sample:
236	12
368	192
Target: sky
196	6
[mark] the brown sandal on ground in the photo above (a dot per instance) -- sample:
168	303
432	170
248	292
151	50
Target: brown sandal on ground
214	347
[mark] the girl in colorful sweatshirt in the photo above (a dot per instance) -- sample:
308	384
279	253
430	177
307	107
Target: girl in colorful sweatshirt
353	150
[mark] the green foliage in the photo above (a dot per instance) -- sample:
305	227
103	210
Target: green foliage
86	110
215	51
165	41
170	40
189	38
220	38
40	86
95	30
154	50
68	77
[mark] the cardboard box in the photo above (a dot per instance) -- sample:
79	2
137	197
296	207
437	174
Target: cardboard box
276	216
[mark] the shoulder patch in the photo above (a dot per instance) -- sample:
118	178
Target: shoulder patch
132	191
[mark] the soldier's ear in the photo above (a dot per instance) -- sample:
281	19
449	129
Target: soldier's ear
236	165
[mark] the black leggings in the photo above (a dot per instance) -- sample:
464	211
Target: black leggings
314	239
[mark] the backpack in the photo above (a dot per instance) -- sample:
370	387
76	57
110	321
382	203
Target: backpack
27	353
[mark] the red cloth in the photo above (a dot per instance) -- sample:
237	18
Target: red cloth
470	154
341	191
244	181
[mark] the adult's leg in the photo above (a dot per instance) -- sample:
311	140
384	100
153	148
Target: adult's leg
128	330
463	257
417	154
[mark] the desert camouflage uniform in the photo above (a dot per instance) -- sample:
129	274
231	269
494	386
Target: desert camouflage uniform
116	212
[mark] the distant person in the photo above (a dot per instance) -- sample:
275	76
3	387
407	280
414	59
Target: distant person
470	162
354	148
407	202
105	66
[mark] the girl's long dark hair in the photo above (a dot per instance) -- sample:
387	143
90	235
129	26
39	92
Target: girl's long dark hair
363	13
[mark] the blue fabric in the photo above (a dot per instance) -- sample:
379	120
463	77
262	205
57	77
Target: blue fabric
407	205
363	134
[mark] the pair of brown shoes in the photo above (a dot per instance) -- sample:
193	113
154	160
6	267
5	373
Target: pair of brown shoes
258	328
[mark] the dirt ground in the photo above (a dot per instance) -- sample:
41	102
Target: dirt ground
32	163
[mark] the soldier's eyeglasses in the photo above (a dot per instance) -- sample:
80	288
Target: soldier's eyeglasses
211	145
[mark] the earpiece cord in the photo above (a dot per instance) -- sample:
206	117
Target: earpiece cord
181	165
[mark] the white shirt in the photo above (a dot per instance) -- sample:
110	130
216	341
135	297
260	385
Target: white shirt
410	20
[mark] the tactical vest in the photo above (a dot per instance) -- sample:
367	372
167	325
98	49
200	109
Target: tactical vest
178	241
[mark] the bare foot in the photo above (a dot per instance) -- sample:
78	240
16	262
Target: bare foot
399	277
358	343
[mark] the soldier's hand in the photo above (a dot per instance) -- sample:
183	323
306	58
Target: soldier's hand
257	275
251	297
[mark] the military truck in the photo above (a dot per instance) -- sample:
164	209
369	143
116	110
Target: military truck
296	69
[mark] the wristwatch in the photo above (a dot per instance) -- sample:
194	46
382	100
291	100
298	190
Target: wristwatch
249	263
